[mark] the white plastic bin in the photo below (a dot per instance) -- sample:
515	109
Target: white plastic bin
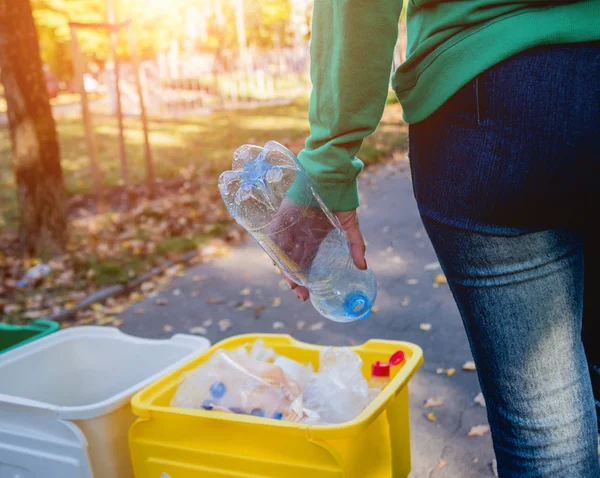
64	400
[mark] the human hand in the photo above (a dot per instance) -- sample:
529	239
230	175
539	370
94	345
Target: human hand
301	234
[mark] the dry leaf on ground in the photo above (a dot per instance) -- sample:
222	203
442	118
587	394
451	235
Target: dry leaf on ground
433	266
439	371
278	325
425	327
440	279
434	402
431	417
198	278
245	291
479	399
259	310
224	325
317	326
469	366
161	301
412	281
198	330
450	372
479	430
167	329
177	292
215	300
276	302
138	311
207	323
300	325
405	301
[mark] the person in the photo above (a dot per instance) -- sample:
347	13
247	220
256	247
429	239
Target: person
502	98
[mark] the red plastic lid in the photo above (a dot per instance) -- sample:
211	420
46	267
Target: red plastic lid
397	358
379	369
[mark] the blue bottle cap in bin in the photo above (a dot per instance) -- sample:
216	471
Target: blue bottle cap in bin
257	412
207	404
278	416
218	389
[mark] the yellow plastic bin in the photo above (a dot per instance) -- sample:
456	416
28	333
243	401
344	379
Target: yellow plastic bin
187	443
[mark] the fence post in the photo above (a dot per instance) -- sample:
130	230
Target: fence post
79	67
143	116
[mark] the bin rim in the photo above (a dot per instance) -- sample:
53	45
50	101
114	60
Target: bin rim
196	346
143	407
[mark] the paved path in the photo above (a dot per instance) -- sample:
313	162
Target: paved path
398	252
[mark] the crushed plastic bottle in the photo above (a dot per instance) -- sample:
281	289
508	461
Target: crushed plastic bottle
271	196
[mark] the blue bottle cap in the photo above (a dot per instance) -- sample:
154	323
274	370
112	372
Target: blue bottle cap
357	305
218	389
278	416
207	404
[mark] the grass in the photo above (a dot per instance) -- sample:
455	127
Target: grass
207	142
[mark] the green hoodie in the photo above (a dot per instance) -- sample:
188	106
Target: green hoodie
449	43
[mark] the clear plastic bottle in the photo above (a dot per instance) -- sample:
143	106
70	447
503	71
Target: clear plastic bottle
271	196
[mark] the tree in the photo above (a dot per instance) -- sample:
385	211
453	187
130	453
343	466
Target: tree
35	151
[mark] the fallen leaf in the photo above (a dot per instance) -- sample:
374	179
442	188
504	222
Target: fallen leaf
177	292
95	307
433	266
385	230
317	326
412	281
224	325
135	297
374	309
246	304
434	402
278	325
300	325
439	371
479	430
215	300
442	463
148	286
258	311
425	327
198	278
167	329
479	399
106	320
283	284
469	366
196	293
431	417
245	291
207	323
276	302
198	330
440	279
475	460
138	311
450	372
405	301
161	301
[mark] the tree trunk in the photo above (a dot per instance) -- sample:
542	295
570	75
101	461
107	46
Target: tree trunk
35	152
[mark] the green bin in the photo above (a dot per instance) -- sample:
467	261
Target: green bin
13	336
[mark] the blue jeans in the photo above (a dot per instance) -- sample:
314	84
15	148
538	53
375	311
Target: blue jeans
506	177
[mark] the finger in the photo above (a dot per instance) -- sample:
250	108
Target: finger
357	248
302	293
292	284
349	221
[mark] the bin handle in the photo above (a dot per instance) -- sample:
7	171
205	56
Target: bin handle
29	406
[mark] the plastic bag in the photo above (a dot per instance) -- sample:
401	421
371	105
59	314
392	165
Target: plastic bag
338	392
242	381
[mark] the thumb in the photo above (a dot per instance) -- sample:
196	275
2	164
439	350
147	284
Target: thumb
349	221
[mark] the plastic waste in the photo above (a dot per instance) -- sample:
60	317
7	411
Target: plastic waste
242	381
338	392
380	375
34	274
271	196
